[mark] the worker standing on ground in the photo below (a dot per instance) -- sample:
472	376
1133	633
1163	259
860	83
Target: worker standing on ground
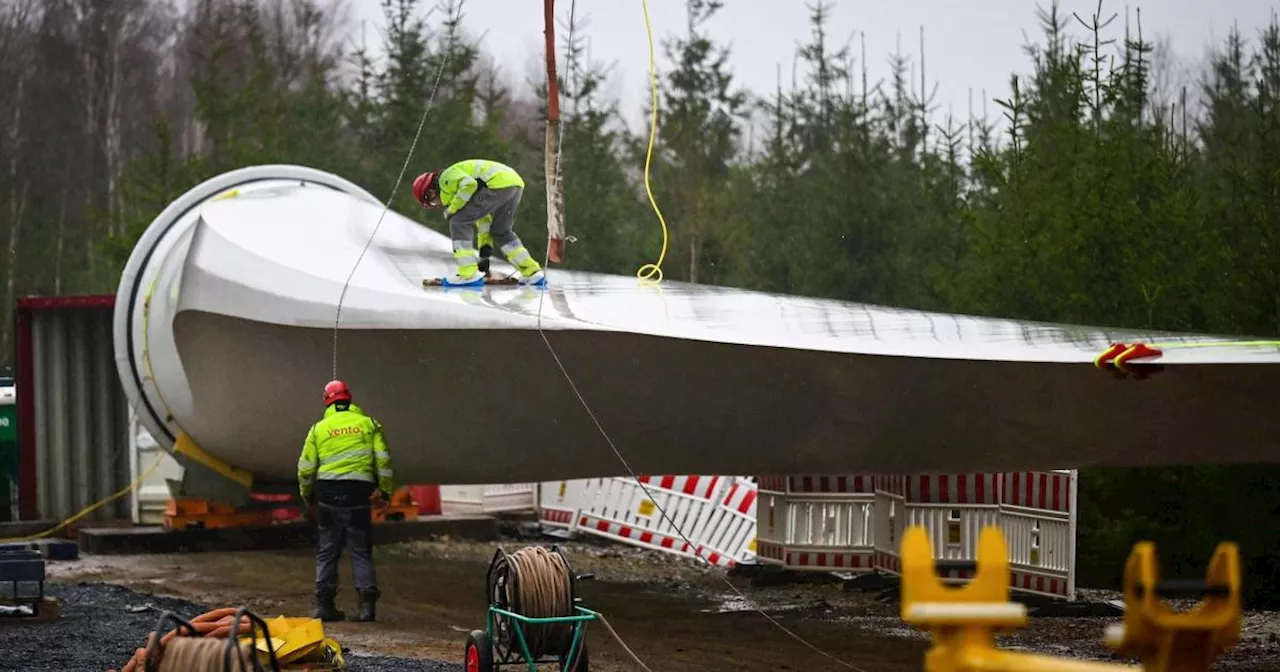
344	471
480	198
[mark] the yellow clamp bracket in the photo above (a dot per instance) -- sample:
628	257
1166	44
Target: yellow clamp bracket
964	621
185	445
928	602
1167	640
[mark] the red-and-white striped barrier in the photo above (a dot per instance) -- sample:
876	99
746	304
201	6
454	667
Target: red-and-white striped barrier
489	498
818	485
816	522
793	558
560	504
963	489
633	534
716	514
1041	490
851	522
1035	511
729	536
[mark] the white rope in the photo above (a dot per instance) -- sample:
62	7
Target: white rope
444	63
587	407
650	496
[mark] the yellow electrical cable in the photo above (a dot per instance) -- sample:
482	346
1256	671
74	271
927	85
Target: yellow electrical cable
652	272
92	507
1213	344
1098	361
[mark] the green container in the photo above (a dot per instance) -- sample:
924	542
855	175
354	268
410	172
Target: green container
8	457
8	425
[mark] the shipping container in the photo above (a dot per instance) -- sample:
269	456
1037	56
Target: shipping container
72	414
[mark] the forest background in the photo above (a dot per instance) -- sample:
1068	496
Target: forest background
1097	193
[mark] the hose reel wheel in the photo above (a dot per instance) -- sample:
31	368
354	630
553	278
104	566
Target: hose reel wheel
534	582
477	655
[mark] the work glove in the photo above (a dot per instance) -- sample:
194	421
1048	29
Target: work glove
310	513
379	502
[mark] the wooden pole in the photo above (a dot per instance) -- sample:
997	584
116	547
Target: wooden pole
553	84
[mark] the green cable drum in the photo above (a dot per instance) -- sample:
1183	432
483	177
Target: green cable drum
535	582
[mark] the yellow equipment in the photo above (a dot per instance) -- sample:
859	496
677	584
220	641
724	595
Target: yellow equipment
1167	640
299	643
964	621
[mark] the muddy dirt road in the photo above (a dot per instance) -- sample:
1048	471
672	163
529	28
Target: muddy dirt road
677	617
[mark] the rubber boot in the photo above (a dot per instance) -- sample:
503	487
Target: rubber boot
326	610
368	602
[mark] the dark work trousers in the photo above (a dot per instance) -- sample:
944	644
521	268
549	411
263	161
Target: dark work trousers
337	525
502	204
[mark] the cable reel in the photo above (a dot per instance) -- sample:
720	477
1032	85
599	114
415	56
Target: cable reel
534	612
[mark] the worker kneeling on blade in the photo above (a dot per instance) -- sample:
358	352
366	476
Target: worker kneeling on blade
480	199
344	471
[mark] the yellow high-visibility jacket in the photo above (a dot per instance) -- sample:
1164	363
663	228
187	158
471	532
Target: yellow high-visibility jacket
459	182
345	446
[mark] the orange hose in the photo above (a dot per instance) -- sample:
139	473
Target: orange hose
216	623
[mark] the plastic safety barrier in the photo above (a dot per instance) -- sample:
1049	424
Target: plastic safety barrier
854	523
816	522
953	508
1035	510
1038	518
717	514
560	504
851	523
488	498
730	535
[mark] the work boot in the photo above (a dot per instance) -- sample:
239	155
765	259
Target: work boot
368	600
476	279
326	610
537	279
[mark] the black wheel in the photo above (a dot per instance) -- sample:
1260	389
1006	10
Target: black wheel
478	654
580	665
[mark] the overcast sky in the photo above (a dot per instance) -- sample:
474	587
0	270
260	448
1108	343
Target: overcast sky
969	44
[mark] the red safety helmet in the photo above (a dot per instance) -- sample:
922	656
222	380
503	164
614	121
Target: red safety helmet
335	391
426	189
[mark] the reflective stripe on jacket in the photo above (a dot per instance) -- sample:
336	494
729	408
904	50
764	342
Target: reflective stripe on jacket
346	445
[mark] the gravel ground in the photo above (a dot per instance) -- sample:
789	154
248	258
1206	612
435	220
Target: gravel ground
825	598
103	624
678	616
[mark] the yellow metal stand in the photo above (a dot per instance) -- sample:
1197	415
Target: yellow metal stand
1169	641
964	621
